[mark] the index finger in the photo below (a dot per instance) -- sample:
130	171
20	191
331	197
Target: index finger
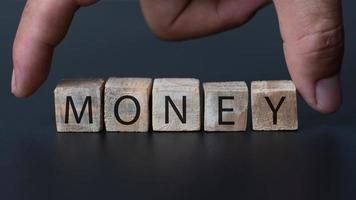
43	25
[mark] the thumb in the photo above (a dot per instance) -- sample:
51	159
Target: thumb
313	42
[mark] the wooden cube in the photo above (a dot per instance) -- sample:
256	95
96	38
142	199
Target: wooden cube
274	105
78	105
226	105
127	102
176	104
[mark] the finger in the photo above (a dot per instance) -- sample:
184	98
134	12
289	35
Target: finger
43	25
313	38
186	19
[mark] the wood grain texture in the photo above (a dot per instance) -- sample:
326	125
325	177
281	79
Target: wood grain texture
232	106
131	115
81	92
278	92
177	89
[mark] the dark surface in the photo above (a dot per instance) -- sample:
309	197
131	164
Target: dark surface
111	39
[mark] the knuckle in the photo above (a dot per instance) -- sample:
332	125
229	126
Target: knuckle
318	54
165	31
325	43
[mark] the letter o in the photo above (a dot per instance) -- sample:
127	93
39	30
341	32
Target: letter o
138	110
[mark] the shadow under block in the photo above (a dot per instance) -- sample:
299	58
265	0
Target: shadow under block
127	104
226	105
79	105
176	105
274	105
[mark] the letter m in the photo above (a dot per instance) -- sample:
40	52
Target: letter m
78	119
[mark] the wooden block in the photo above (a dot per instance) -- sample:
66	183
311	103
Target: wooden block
127	104
176	105
226	105
78	105
274	105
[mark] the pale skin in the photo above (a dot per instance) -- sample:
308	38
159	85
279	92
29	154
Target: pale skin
312	33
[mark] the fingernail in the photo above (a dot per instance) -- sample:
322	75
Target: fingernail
13	82
329	94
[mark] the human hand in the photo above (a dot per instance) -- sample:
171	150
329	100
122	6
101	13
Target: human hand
312	34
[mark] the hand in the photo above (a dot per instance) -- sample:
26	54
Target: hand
312	34
311	29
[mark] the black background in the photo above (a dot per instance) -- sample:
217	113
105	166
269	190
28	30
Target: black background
112	39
